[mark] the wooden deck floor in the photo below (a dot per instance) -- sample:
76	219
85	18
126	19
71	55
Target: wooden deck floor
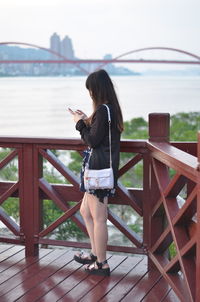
55	276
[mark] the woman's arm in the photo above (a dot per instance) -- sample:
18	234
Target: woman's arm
94	134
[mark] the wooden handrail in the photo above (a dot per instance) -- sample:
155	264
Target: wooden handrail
173	224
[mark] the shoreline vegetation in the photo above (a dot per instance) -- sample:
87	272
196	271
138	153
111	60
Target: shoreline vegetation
183	127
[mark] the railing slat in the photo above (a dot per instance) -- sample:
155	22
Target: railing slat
130	234
130	164
60	220
53	195
125	195
5	218
61	167
8	158
11	190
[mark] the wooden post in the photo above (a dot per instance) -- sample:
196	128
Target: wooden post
198	227
159	127
38	206
27	200
146	203
198	151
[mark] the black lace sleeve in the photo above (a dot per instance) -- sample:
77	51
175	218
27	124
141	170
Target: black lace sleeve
94	134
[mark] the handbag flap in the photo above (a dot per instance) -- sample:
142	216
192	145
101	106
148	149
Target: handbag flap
99	173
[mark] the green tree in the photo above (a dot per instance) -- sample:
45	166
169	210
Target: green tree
184	126
137	128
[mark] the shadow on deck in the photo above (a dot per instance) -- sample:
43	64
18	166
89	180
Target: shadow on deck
55	276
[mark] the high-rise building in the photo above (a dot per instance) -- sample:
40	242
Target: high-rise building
55	44
67	48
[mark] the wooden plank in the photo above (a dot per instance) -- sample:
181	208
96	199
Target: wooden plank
171	297
18	292
120	282
127	283
198	236
163	241
8	253
85	245
89	281
162	174
9	222
8	158
26	195
175	280
9	192
4	247
188	248
21	265
54	196
60	220
176	184
6	185
70	280
67	173
145	284
66	143
157	292
125	195
6	263
176	159
50	287
189	147
50	277
13	288
188	209
12	240
131	163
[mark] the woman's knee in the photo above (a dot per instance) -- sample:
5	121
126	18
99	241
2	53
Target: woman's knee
98	210
100	219
84	209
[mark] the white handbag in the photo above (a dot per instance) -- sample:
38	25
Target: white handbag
103	178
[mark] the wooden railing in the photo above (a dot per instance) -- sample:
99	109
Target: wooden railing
168	201
174	190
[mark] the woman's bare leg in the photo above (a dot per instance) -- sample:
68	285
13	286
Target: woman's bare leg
85	212
98	211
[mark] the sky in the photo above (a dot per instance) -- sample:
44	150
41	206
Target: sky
99	27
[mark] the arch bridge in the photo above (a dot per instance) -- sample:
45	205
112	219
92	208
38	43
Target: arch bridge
194	59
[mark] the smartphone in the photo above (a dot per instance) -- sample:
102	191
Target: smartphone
71	111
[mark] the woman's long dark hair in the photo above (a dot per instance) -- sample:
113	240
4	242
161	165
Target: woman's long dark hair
102	92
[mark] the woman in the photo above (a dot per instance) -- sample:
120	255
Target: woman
95	133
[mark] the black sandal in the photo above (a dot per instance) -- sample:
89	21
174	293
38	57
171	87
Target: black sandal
85	260
98	271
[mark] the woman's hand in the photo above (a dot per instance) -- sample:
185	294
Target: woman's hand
77	115
84	116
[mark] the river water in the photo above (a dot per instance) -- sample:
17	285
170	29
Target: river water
37	106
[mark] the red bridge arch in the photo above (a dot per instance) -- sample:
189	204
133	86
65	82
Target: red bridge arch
102	63
45	49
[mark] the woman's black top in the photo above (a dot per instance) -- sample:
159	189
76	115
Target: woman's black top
96	136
